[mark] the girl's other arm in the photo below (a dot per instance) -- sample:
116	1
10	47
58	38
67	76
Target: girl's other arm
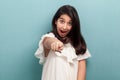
81	70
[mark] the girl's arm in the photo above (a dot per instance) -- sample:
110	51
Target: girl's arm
53	44
81	70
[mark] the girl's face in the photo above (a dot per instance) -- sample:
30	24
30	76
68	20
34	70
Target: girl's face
64	25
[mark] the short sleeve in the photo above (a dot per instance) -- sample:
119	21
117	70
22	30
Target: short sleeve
84	56
40	51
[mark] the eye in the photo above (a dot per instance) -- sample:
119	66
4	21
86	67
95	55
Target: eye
70	23
61	21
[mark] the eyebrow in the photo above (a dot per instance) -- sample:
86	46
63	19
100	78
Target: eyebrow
61	18
64	19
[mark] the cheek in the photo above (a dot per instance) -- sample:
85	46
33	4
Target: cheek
59	26
69	28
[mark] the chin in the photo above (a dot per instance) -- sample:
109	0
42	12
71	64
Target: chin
62	36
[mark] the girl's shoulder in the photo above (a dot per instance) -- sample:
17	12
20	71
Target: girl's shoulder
49	34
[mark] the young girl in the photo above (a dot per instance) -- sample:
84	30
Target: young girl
63	51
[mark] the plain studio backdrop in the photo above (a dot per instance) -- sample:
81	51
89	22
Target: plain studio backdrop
23	22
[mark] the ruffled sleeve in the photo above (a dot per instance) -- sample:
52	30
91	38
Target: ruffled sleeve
40	51
84	56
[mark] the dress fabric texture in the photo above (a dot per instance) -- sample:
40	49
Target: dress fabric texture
59	66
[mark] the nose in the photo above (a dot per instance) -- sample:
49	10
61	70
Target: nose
65	26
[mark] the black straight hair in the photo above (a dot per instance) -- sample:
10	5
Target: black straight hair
74	36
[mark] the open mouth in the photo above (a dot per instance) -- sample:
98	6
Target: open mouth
63	31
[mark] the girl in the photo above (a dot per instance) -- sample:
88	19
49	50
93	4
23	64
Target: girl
63	51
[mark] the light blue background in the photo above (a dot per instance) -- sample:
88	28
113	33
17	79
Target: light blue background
22	22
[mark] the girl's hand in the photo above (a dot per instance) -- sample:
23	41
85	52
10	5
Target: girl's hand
57	46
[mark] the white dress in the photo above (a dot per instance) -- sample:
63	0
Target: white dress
59	66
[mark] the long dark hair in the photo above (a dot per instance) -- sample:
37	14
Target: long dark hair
74	37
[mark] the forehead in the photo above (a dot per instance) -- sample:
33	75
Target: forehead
65	17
